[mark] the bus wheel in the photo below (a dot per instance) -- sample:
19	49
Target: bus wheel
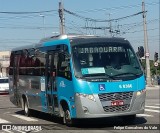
26	109
67	118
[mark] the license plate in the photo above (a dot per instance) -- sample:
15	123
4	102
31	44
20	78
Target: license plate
117	103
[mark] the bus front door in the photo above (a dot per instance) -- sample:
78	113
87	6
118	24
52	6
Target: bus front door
51	92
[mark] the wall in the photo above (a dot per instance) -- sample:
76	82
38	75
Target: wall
4	63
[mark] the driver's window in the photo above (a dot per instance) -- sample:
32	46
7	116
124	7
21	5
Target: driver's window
63	64
132	58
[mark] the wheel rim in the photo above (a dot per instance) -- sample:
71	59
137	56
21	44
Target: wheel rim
67	116
25	108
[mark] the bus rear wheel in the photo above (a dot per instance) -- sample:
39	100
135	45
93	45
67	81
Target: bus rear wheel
27	111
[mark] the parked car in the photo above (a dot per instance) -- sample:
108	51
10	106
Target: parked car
4	85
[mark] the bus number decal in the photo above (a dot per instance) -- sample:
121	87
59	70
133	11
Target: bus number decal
125	86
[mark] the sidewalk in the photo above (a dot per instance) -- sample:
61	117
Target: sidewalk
152	87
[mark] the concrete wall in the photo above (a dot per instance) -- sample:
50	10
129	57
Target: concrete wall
4	63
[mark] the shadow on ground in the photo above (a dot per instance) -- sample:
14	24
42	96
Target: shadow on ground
101	123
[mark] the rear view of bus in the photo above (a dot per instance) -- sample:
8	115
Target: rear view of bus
109	80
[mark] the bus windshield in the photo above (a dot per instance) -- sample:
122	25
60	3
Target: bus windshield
114	60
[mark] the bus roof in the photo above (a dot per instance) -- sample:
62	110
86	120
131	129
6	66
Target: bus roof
74	39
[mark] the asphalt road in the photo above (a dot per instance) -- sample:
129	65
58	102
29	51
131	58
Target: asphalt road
9	114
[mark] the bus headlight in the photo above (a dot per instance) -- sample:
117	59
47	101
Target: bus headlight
88	96
140	92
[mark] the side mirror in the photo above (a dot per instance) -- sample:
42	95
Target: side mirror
140	51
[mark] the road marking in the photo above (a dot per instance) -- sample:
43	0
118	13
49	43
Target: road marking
8	131
20	131
151	110
155	107
4	121
144	115
6	113
157	104
24	118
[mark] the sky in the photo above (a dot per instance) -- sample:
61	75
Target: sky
25	22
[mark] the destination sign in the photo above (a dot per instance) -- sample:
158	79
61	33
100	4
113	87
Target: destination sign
100	49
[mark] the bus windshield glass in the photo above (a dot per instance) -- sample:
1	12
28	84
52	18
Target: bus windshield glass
114	60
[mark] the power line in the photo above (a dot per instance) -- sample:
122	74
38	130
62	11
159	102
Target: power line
25	17
141	30
37	12
29	27
97	20
117	8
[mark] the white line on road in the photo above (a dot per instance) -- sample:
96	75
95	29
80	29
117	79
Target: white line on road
155	107
20	131
157	104
8	131
151	110
24	118
4	121
144	115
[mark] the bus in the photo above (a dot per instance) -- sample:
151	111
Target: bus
78	77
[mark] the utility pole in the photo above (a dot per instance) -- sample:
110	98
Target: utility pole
148	73
110	25
61	16
159	31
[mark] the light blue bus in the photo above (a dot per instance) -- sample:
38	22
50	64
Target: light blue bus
78	76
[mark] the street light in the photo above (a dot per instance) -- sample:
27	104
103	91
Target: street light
44	32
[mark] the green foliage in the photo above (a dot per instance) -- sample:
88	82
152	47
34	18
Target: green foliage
152	67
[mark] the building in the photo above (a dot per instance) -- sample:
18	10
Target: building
4	63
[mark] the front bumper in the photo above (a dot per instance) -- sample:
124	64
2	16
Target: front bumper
86	108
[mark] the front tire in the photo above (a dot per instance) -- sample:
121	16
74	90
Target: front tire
67	120
27	111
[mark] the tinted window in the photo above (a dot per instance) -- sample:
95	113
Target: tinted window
3	80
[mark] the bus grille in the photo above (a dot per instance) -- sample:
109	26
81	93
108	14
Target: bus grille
116	108
115	96
109	97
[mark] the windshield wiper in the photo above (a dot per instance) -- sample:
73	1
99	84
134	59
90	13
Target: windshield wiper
127	73
100	75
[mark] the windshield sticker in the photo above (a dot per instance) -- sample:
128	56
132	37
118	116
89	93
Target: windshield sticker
100	50
92	70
